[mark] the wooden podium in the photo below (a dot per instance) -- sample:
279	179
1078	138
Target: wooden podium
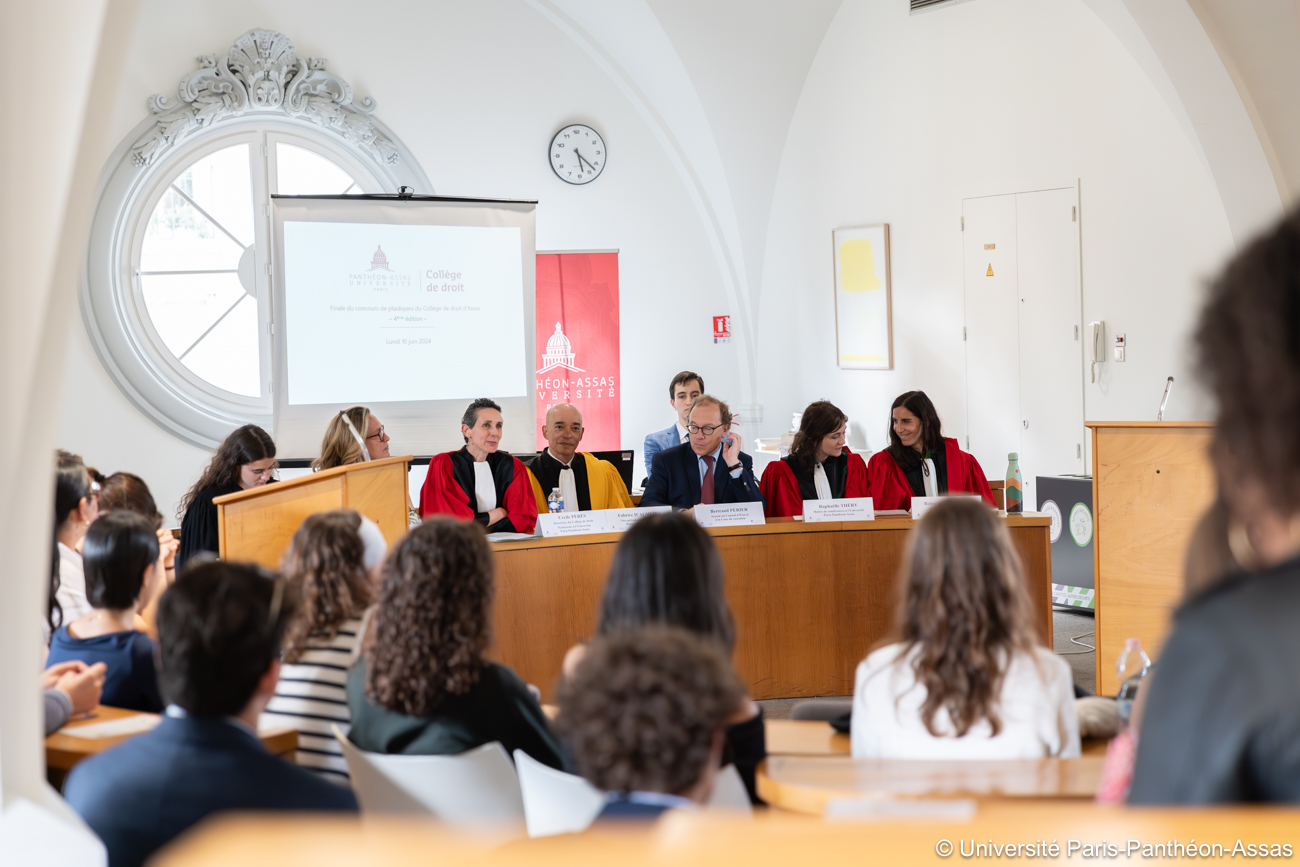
256	525
1151	483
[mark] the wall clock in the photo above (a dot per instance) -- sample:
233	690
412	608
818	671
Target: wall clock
577	154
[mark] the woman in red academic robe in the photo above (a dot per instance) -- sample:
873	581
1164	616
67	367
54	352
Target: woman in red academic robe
819	466
920	461
479	483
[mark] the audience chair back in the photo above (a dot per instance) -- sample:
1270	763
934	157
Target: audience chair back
729	792
821	709
555	802
476	790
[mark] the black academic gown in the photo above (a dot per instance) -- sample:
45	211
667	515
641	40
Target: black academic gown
199	526
546	469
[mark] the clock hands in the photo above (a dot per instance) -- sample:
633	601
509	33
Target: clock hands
582	159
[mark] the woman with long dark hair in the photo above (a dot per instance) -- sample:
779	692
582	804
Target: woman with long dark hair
920	461
667	571
76	505
965	677
425	685
819	467
244	460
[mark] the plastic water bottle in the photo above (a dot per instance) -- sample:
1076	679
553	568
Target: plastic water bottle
555	502
1015	490
1131	667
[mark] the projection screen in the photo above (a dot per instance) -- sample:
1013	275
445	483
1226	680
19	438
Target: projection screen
412	307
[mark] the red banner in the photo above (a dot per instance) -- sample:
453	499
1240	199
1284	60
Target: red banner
577	343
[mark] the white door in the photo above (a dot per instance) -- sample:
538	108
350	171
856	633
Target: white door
992	331
1024	363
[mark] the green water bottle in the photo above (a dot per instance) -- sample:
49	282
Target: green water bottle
1015	490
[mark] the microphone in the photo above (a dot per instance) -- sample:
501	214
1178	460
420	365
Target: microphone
1160	416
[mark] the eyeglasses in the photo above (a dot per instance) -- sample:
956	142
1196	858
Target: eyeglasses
707	430
379	434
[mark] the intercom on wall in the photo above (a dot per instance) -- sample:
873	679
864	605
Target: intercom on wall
1097	351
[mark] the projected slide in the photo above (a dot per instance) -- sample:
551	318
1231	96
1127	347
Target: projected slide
380	312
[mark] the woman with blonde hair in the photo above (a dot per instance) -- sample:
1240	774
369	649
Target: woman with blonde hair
966	677
353	436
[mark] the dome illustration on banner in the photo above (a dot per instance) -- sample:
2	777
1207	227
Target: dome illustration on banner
559	353
379	260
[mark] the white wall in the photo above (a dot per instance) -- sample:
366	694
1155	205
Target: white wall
904	116
476	90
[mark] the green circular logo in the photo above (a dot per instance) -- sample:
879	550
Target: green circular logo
1081	525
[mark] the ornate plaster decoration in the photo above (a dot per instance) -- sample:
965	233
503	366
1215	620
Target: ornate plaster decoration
262	73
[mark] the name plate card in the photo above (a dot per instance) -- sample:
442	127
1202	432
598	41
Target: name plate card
622	519
849	509
572	523
921	505
729	514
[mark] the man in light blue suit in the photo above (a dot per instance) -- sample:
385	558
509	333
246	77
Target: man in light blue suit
682	391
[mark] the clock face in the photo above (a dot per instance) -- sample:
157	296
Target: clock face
577	154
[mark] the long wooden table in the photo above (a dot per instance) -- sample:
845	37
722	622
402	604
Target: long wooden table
708	838
63	751
809	599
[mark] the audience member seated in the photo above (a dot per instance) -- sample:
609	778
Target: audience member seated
667	570
245	459
682	391
328	565
1221	722
424	685
920	461
967	678
683	476
645	715
121	561
70	687
586	483
76	505
819	467
128	491
345	444
220	631
480	483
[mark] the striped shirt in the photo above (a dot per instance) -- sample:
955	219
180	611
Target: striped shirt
312	696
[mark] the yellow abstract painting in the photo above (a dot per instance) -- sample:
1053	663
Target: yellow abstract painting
863	318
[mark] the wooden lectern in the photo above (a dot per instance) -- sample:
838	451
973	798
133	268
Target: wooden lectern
1151	483
256	525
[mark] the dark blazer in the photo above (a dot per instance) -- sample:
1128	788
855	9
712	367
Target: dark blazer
147	790
1222	722
675	480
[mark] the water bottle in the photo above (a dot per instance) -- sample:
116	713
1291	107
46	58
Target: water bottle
555	502
1015	490
1131	667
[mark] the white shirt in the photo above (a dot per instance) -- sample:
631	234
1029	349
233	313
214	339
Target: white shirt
568	483
682	433
485	487
1036	707
717	465
72	585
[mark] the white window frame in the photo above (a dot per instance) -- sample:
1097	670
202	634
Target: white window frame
142	169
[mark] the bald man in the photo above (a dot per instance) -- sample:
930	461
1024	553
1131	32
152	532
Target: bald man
585	481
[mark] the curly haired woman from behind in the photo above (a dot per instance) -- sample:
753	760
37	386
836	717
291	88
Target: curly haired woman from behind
966	678
330	564
424	686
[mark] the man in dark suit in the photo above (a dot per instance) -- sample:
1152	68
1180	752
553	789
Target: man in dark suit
708	468
682	391
220	629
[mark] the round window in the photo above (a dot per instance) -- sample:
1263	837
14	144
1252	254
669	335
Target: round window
176	292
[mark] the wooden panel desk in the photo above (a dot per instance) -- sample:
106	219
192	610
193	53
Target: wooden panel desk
805	784
809	599
257	524
790	737
707	838
1151	483
63	751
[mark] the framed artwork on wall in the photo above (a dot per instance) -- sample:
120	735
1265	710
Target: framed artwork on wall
864	323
